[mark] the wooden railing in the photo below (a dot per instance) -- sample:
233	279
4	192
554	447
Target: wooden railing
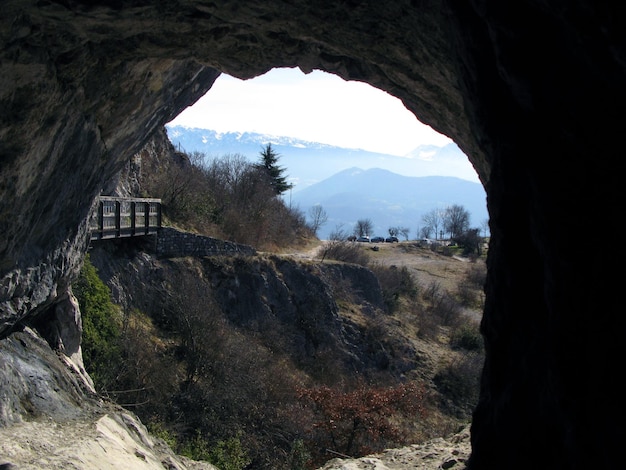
117	217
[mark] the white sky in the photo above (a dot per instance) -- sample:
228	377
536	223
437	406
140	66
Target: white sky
318	107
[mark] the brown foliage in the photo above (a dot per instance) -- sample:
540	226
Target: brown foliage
228	198
346	251
359	421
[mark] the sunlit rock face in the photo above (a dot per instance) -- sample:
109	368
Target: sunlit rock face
533	92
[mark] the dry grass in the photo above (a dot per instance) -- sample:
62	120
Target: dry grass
427	265
452	280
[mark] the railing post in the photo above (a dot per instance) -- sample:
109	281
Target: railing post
133	222
118	219
100	219
146	218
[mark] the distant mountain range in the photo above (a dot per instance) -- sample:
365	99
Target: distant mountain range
350	184
388	199
307	163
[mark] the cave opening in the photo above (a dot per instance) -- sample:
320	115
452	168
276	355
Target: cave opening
353	124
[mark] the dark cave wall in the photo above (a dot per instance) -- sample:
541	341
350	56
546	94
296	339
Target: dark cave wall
544	100
533	92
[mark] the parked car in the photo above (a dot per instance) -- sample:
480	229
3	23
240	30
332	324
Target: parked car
363	239
377	240
392	240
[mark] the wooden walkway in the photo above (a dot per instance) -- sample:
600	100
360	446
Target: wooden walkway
118	217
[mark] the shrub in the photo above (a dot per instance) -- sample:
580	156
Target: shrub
443	306
300	456
468	296
196	448
228	198
359	421
440	309
395	283
157	429
470	290
149	375
467	337
101	327
459	382
477	275
229	454
341	250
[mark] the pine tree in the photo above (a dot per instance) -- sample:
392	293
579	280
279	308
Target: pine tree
269	163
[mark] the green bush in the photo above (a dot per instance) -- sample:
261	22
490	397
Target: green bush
300	456
196	448
158	429
101	327
468	337
227	454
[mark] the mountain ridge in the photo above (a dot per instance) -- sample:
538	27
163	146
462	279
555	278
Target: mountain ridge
388	199
309	162
353	184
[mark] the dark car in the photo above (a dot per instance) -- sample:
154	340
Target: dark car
377	240
363	239
391	239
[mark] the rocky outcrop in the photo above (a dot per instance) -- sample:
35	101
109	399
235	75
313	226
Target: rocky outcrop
262	294
437	454
51	418
532	91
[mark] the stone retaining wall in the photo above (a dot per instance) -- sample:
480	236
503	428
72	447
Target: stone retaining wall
173	243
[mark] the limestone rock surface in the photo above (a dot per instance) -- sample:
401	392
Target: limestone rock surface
437	454
51	418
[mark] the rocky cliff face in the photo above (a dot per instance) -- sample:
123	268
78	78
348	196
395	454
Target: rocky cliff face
50	417
85	84
266	295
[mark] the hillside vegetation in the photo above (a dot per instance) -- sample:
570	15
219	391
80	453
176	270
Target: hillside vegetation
227	197
288	358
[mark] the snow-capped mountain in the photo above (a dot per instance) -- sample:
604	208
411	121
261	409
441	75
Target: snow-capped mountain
353	184
307	163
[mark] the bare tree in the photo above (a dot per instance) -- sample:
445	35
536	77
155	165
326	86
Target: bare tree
456	220
363	227
425	232
485	227
338	234
433	220
318	217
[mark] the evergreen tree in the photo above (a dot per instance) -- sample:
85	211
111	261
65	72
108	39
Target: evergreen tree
269	163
